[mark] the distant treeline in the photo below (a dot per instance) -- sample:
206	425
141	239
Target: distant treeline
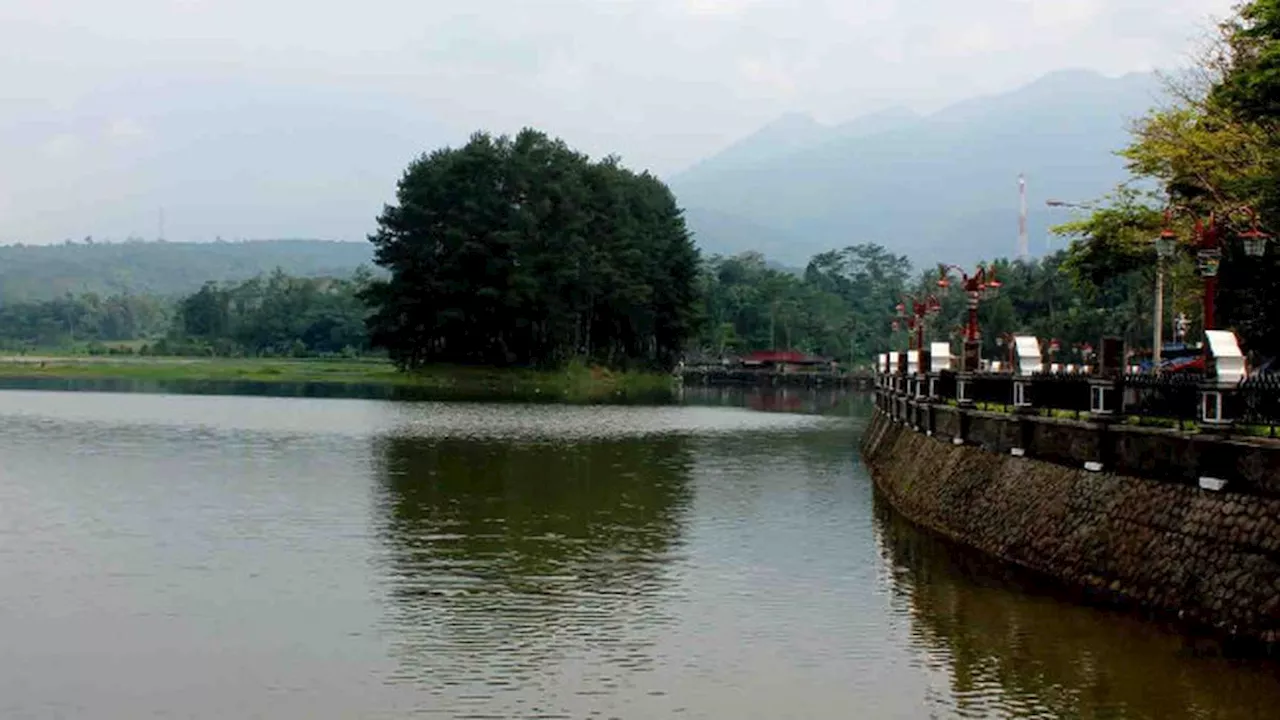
84	318
269	315
841	305
273	315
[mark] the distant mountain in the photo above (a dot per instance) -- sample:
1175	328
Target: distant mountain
726	234
794	132
41	272
940	187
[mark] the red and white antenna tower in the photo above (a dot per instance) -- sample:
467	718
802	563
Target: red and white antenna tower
1024	244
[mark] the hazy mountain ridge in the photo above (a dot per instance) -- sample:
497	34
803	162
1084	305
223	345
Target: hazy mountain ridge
939	187
42	272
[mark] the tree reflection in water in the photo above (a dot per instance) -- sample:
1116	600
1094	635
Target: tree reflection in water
1013	647
509	561
813	401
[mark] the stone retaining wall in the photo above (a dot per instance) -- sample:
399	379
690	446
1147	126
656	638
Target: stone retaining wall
1210	558
1249	466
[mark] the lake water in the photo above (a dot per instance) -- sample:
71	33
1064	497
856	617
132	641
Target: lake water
217	557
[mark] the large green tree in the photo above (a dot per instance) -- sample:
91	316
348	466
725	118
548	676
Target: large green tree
1215	149
521	251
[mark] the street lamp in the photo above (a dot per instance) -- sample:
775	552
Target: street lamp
1253	239
920	310
1166	244
982	285
1208	246
1086	352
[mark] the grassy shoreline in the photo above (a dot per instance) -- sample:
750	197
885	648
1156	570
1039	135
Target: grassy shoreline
574	384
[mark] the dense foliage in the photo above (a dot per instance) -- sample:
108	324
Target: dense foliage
840	306
267	315
273	315
843	304
1214	150
521	251
86	318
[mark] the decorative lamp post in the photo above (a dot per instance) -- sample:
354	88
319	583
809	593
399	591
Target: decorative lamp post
1086	352
1208	245
902	320
1253	239
991	288
1166	244
920	310
1208	262
983	284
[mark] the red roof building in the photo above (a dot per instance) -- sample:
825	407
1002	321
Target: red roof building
783	359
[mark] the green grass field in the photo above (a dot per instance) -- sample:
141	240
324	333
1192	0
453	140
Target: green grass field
576	383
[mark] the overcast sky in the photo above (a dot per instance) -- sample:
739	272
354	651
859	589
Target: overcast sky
260	118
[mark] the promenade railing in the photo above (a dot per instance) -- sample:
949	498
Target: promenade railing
1175	400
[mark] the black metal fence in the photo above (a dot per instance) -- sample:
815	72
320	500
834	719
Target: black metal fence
1060	392
1257	402
1173	397
1171	400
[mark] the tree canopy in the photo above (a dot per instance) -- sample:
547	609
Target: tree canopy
273	315
522	251
1215	149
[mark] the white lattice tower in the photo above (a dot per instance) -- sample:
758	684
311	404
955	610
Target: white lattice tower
1024	243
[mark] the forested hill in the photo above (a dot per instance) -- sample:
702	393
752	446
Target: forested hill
42	272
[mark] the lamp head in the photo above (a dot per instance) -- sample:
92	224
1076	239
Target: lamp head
1255	242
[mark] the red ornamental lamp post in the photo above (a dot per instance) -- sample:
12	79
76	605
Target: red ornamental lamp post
1208	246
904	321
920	309
1086	352
982	285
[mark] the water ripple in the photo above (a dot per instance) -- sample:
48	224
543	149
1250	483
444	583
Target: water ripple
231	557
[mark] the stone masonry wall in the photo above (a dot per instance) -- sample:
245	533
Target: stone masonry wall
1208	558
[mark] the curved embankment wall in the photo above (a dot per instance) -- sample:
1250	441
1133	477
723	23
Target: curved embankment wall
1210	558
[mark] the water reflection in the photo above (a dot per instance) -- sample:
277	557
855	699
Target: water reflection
309	389
1011	648
814	401
211	557
510	563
